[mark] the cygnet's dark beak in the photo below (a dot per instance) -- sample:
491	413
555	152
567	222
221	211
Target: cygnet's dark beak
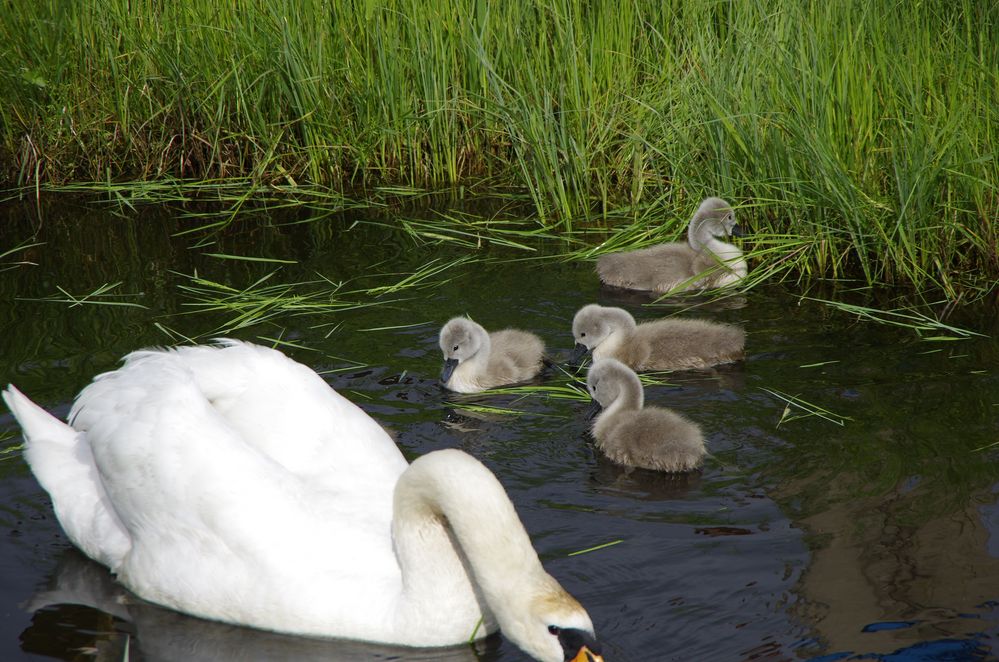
593	410
737	231
579	646
578	352
449	366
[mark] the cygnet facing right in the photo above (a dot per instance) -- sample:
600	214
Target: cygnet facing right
632	435
666	344
702	262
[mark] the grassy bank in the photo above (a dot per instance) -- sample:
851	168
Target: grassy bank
863	133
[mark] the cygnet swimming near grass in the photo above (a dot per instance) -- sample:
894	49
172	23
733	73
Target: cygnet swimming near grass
635	436
702	262
665	344
475	359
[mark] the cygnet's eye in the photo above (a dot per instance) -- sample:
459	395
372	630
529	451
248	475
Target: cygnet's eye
583	334
454	349
554	629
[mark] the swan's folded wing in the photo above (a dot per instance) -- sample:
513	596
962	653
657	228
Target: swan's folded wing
288	412
219	528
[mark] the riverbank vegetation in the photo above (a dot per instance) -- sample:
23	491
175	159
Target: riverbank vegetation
859	138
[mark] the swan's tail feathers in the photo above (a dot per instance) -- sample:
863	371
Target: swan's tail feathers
61	460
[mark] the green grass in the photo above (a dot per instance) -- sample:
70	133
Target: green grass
857	137
268	300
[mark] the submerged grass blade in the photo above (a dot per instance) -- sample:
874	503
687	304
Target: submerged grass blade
810	409
597	547
102	296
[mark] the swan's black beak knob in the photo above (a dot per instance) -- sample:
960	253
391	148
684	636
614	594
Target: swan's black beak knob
579	646
449	366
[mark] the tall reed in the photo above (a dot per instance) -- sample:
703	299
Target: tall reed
866	129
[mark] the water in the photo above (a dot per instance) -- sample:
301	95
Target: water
801	539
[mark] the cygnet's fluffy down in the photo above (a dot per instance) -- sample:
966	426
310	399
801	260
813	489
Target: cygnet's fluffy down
667	344
475	359
635	436
702	262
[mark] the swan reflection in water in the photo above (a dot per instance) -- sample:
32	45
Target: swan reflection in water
155	633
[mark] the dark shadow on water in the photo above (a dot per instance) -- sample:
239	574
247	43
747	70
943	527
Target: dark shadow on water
651	301
640	484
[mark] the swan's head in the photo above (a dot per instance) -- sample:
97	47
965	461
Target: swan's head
593	324
609	379
714	218
460	340
529	605
554	627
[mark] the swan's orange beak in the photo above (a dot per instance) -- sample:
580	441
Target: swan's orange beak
586	655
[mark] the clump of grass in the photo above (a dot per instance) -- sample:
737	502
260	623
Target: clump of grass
861	131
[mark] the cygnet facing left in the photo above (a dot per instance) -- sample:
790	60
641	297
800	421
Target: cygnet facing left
475	359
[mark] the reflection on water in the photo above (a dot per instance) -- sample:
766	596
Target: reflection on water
800	539
155	633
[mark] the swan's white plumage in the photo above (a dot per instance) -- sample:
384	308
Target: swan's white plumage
232	483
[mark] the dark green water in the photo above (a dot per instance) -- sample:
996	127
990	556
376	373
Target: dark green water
803	538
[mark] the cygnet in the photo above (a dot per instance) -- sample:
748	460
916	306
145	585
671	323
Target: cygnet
665	344
635	436
702	262
475	359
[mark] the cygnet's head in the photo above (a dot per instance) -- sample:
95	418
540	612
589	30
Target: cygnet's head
609	379
593	324
714	218
460	339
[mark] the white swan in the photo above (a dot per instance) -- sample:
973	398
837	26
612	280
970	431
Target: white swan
232	483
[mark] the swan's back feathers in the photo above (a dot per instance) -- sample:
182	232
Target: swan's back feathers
516	354
282	408
653	438
62	462
656	268
682	344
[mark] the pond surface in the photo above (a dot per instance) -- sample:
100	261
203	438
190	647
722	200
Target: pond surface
871	532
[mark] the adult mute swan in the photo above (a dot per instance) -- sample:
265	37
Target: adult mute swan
702	262
475	359
232	483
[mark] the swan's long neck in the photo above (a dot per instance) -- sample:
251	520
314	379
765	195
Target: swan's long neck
461	547
699	233
468	375
729	255
630	397
622	324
